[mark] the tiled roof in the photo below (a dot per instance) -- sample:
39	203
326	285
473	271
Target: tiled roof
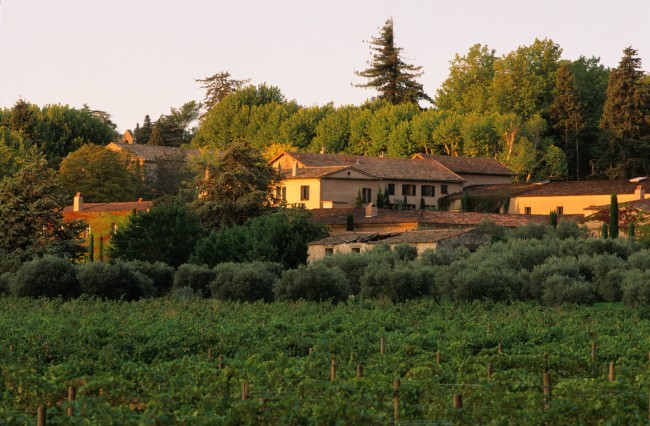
638	204
585	187
111	207
155	153
426	236
314	172
471	165
338	216
381	167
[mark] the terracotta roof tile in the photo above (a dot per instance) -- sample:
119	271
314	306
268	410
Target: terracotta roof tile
585	187
155	153
381	167
426	236
471	165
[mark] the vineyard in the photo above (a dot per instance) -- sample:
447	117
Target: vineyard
209	362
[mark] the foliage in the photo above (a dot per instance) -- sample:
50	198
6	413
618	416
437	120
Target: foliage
245	282
167	233
233	186
196	277
280	237
48	276
398	283
613	217
112	281
218	86
349	222
160	274
394	79
32	223
100	174
316	282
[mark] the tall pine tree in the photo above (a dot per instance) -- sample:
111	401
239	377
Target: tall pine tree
394	79
625	118
567	116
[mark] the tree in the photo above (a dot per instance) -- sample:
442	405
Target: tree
394	79
166	233
31	221
625	117
218	86
100	174
156	137
142	134
566	113
467	89
613	217
233	185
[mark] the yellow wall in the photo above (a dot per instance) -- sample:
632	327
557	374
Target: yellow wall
571	204
293	192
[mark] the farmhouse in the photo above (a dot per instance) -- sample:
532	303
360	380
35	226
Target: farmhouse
317	181
359	242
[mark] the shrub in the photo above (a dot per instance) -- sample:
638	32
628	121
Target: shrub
112	281
246	282
161	274
532	231
636	288
489	280
353	266
565	266
570	229
608	287
559	289
406	252
195	277
48	276
184	294
639	260
405	281
316	282
5	282
442	256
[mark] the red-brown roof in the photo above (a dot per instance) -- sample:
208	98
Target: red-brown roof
378	167
154	152
111	207
470	165
338	216
585	187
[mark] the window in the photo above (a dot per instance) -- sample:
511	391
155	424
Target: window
428	191
527	210
329	251
444	190
281	193
366	195
356	249
560	210
304	193
390	188
408	189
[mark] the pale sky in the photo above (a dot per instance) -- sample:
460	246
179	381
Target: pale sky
136	57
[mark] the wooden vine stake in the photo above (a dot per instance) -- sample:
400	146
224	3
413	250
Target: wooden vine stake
209	353
333	370
381	346
500	348
359	371
594	351
487	329
489	372
220	362
244	390
547	390
311	351
458	401
612	372
41	416
72	395
438	357
396	385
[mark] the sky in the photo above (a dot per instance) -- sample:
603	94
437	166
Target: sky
136	57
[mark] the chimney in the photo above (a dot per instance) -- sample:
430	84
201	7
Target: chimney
639	192
78	204
294	169
371	210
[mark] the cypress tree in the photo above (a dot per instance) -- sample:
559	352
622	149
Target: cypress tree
359	201
613	217
101	248
631	231
380	199
603	231
91	248
349	222
422	204
552	219
394	79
